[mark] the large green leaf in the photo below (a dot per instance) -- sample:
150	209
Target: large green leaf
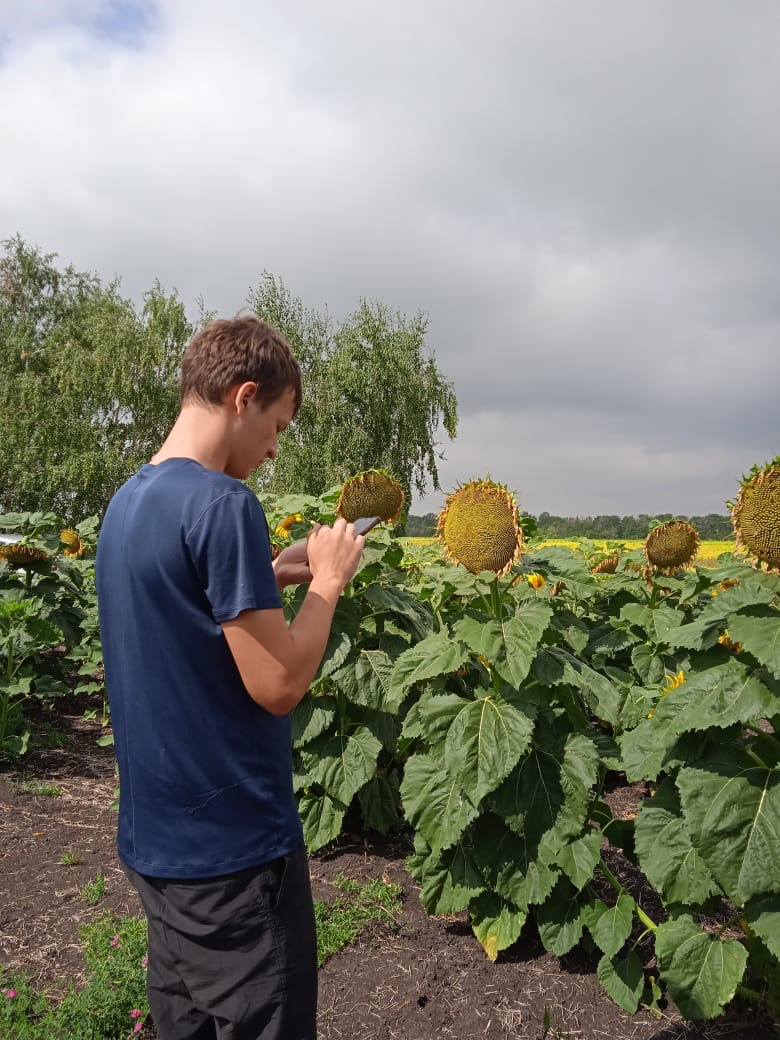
732	809
449	881
508	644
546	796
436	655
311	717
511	863
380	803
760	636
578	859
342	763
435	802
553	665
720	696
485	742
623	979
322	818
763	916
666	853
648	663
495	922
701	970
559	919
610	926
656	622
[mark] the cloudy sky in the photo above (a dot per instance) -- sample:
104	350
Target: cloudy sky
583	196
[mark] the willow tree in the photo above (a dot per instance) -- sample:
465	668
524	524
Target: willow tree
90	383
373	395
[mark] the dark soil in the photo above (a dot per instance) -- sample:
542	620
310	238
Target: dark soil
426	978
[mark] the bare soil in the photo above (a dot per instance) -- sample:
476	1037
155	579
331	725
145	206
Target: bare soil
421	979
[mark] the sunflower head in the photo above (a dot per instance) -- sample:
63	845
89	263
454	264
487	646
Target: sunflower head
479	527
371	493
536	581
20	554
606	566
671	545
72	544
756	515
284	528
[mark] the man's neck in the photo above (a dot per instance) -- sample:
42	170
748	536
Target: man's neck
198	433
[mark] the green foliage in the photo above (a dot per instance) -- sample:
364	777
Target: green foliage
374	396
47	612
89	387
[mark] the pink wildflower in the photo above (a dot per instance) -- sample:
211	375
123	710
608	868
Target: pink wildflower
137	1027
116	941
10	994
144	962
135	1013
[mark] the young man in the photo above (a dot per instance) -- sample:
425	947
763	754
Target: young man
202	671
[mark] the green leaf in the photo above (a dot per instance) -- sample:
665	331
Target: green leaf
450	881
760	636
546	796
342	764
434	656
508	644
656	622
720	696
485	742
701	971
311	717
339	645
511	862
380	802
435	802
559	919
321	817
666	853
495	922
579	858
623	979
732	808
648	664
763	916
553	665
610	926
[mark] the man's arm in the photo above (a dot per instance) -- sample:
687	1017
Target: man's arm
277	661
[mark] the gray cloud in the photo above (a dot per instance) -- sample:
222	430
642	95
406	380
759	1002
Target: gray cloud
581	197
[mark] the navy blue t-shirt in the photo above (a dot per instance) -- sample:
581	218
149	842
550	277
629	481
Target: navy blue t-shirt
205	773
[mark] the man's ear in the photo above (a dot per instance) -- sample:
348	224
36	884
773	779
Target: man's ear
239	396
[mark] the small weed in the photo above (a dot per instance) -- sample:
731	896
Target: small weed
48	737
94	891
550	1031
68	858
340	921
37	787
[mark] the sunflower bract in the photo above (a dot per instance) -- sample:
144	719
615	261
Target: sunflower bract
756	515
371	493
671	545
479	527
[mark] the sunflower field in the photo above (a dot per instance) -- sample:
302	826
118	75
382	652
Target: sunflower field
491	696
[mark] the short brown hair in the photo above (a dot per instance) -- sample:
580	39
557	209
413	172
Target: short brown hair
238	350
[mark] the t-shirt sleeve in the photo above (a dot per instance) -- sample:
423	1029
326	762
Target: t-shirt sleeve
231	552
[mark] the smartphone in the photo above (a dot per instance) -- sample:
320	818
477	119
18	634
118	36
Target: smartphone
365	523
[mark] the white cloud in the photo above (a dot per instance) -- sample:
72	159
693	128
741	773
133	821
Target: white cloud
582	197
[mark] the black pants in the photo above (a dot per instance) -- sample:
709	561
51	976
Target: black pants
235	957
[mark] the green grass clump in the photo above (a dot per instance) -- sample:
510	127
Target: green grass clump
340	921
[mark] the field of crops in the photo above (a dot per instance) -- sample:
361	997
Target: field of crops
492	718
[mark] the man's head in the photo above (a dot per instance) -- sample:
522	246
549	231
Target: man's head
244	372
229	352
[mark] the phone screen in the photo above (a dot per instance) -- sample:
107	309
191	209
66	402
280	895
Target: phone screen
365	523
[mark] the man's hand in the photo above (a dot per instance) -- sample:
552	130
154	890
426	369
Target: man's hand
291	566
334	554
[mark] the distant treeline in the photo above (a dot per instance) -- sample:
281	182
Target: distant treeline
711	526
